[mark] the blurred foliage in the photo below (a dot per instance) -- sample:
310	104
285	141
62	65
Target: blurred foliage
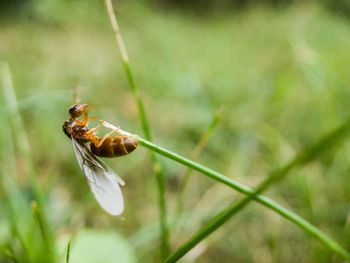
13	6
209	6
339	7
281	73
30	8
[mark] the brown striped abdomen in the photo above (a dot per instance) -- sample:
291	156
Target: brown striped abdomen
115	146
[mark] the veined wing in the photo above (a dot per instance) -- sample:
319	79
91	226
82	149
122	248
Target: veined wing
104	183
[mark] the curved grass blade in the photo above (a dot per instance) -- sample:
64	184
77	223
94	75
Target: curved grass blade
324	144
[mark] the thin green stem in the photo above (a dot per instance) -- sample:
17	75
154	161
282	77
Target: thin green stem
68	252
194	165
307	155
196	151
12	197
157	168
15	121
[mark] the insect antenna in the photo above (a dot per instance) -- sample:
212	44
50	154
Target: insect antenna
75	86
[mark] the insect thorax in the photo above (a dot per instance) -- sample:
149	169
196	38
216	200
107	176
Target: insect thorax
78	132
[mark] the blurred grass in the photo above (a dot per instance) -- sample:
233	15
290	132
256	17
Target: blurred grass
282	75
203	139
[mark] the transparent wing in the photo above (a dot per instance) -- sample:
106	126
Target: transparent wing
104	183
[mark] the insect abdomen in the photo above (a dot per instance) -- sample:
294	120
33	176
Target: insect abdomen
115	146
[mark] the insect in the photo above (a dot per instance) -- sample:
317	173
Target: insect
103	182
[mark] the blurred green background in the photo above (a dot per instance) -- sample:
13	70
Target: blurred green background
280	70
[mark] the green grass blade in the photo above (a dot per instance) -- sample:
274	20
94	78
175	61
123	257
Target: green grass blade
13	205
306	156
233	209
68	252
157	168
326	143
15	120
22	143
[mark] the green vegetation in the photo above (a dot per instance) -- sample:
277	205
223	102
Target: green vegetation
282	76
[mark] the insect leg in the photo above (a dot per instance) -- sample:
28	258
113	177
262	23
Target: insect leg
114	128
85	118
104	138
92	130
92	118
